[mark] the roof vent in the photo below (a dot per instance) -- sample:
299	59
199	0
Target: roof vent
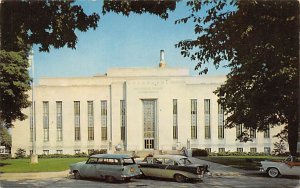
162	62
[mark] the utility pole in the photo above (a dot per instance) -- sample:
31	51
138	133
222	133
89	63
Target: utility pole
34	156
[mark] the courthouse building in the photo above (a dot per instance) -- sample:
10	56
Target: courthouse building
139	109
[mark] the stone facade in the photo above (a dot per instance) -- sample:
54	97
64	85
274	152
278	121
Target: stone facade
136	109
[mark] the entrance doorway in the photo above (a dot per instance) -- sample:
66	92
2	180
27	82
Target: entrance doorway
149	108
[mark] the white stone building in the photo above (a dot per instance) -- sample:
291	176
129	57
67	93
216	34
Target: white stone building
140	109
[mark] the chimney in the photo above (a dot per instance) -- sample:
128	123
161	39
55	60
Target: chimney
162	62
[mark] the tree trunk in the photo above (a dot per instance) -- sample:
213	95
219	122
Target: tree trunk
293	137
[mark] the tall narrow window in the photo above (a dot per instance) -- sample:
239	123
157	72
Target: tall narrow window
77	119
194	118
267	132
252	133
90	120
239	130
220	121
46	120
175	119
104	120
123	118
59	120
207	118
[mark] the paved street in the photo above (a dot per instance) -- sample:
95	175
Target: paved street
213	181
222	176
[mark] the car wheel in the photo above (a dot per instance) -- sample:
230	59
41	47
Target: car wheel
109	179
179	178
273	172
77	175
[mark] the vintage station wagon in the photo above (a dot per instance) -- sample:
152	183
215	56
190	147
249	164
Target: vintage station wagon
176	167
110	167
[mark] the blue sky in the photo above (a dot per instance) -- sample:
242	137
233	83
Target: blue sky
120	41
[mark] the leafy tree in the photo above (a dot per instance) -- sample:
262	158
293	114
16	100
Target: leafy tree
259	39
5	137
47	23
126	7
24	23
14	83
279	147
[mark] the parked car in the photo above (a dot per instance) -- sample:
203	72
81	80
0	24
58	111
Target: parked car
176	167
110	167
290	166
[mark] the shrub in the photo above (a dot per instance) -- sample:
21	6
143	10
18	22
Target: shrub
20	153
101	151
81	155
199	153
5	156
228	153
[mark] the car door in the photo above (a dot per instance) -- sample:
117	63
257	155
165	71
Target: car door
291	168
89	168
168	168
109	167
153	168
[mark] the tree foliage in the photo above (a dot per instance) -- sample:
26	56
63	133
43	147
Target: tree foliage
125	7
259	39
47	23
5	137
14	84
23	24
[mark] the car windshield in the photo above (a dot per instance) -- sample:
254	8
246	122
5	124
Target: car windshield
184	161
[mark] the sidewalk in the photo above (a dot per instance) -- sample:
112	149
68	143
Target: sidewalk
36	175
220	170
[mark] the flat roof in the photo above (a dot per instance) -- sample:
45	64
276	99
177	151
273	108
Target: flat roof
115	156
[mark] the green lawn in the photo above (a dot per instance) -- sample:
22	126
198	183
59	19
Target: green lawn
44	165
242	162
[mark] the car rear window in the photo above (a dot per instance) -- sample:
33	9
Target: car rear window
127	161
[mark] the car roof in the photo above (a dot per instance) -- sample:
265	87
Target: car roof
174	157
115	156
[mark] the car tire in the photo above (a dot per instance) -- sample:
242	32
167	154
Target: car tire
273	172
179	178
77	175
109	179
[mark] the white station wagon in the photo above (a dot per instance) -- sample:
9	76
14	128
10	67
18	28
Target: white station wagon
110	167
290	166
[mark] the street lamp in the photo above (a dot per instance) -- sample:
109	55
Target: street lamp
34	156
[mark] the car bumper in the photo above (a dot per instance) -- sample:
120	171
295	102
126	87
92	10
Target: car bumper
130	175
262	169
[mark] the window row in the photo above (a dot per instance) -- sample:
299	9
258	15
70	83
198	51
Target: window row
220	150
207	119
252	150
59	120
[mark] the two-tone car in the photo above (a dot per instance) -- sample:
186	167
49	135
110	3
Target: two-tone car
290	166
110	167
176	167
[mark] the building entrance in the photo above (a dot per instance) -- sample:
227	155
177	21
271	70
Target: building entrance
149	107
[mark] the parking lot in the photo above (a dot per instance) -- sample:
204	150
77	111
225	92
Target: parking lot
222	176
238	181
